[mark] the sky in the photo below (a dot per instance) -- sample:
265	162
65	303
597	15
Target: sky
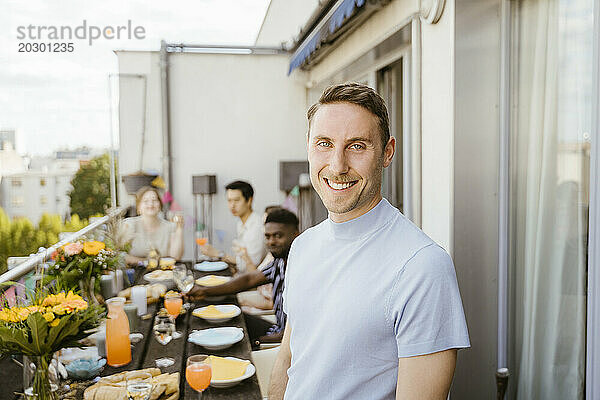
61	100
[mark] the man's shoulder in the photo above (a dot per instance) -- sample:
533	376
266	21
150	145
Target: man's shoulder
404	234
312	232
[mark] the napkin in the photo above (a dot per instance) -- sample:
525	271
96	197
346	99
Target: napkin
212	280
213	312
225	369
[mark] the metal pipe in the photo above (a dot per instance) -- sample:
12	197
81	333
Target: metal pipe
593	296
113	188
164	80
503	191
29	265
407	151
222	49
416	121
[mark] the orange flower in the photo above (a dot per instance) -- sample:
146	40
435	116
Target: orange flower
93	248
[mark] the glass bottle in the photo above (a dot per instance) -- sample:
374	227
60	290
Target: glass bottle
118	347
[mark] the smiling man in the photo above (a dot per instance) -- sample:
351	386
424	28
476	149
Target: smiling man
374	311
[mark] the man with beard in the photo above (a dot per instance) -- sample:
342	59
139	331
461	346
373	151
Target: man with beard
374	311
281	228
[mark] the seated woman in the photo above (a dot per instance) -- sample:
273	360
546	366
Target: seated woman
150	231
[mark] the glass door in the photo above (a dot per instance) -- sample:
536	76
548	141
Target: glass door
550	192
390	87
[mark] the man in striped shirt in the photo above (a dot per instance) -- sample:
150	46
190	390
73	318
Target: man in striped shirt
281	228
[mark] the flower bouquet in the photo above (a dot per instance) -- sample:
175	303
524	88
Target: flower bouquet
80	265
38	330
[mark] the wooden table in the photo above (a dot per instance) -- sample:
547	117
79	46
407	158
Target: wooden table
145	352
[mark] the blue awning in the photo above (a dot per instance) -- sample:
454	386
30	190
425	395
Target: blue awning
342	13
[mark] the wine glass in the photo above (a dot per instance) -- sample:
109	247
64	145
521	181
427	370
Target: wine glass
184	279
163	332
139	386
198	373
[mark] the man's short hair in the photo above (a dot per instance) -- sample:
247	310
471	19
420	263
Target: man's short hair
268	209
362	96
283	216
243	187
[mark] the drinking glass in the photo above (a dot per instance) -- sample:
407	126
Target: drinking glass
139	387
198	373
184	279
163	332
173	303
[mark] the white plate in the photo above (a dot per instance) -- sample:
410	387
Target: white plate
211	266
200	281
224	308
250	370
168	282
217	338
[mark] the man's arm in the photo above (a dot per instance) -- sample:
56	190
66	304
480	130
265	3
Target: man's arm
274	338
426	377
240	283
279	376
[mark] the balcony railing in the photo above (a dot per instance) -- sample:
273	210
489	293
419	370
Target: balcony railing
34	260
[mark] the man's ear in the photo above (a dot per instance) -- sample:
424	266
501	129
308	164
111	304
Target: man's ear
388	151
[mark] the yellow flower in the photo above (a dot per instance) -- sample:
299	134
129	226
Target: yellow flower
17	314
55	322
93	248
54	299
48	316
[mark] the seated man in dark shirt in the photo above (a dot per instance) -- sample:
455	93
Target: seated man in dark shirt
281	228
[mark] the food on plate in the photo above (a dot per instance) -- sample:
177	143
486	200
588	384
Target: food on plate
225	368
167	263
160	275
113	387
212	312
212	280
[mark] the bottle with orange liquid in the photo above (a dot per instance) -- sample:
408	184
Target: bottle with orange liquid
118	347
198	373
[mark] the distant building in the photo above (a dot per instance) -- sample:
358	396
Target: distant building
32	193
40	185
7	136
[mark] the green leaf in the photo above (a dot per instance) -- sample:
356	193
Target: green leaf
17	337
39	332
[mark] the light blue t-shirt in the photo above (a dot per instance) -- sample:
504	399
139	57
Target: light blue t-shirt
361	294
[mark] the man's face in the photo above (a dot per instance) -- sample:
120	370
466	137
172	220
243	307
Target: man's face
279	238
347	159
237	203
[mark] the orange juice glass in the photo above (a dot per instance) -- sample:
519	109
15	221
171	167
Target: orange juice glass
198	373
118	347
173	303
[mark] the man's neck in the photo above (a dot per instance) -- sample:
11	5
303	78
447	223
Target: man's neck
357	212
245	217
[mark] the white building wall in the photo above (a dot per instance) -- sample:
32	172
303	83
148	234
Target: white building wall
235	116
283	21
134	115
437	127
